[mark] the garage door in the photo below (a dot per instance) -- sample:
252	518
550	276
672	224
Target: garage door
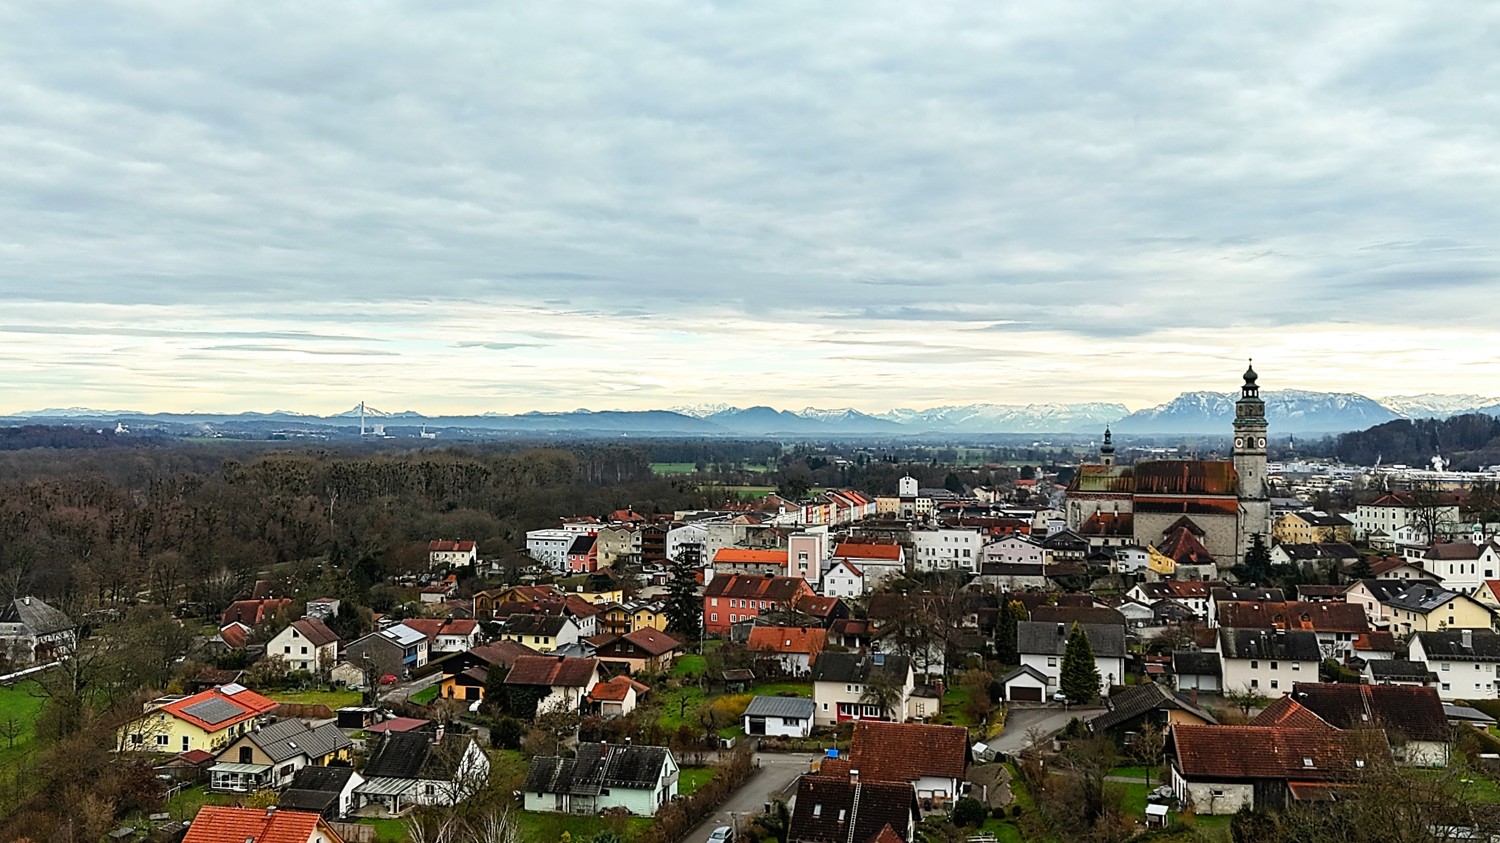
1021	694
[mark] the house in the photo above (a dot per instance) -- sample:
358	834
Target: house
268	756
1266	660
233	636
1411	716
326	791
1312	526
543	633
792	649
460	553
1462	566
1335	624
1488	593
393	651
1220	769
787	717
1198	670
1399	672
648	650
844	579
737	597
750	561
1026	684
33	631
562	683
841	688
1317	558
220	824
407	769
466	674
946	548
1465	660
207	720
1041	645
1394	510
1422	607
847	809
1375	646
878	562
550	547
1130	709
254	612
1193	594
1398	568
305	645
1014	549
453	635
932	759
617	697
851	633
1371	596
600	777
583	555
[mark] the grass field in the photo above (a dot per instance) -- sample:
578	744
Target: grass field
690	779
538	827
333	699
185	804
669	468
689	665
782	689
19	704
388	831
426	695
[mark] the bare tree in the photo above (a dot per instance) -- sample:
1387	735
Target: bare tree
1246	699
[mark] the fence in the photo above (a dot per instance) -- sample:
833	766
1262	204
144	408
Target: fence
354	832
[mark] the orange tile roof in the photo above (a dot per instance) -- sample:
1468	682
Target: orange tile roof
742	555
860	550
788	639
616	689
249	703
216	824
1285	711
904	752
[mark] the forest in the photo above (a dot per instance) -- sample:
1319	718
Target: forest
1468	442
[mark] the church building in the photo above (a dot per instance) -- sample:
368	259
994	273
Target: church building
1203	513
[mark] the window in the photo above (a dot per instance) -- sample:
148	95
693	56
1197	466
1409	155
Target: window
186	743
304	651
714	617
287	650
713	601
1273	665
1255	683
1254	665
161	740
1052	661
1445	665
1296	665
1275	683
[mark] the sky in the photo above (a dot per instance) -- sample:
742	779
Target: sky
460	207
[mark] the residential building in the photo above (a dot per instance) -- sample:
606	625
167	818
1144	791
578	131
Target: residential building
1042	644
1221	769
306	645
459	553
932	759
1395	510
1336	625
326	791
1399	672
268	756
222	824
543	633
1462	566
1026	684
805	553
648	650
1194	594
878	562
783	717
844	579
744	560
408	769
1225	593
946	549
616	697
1014	549
740	597
1424	607
1268	661
33	631
395	650
841	688
600	777
550	547
1316	558
582	555
1311	526
254	612
1465	660
566	681
445	636
1411	716
1371	596
1131	709
207	720
793	650
830	809
1198	670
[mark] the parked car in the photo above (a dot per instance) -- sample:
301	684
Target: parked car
722	834
1059	696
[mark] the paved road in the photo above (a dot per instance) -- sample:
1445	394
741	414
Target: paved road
778	773
401	690
1048	719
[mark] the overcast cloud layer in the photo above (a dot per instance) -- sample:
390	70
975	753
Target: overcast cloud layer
461	207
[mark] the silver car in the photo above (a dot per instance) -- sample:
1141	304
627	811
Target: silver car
722	834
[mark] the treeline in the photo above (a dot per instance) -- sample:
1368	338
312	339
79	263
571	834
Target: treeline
60	436
1469	442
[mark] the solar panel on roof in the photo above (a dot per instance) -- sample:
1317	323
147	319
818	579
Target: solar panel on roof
232	688
214	711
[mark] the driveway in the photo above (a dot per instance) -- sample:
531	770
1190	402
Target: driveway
401	690
775	780
1046	719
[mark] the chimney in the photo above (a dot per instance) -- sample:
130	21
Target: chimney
438	736
1467	635
1061	627
1195	695
853	776
270	809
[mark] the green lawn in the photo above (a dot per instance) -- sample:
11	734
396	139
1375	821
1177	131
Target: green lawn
333	699
185	805
690	779
673	712
778	689
666	468
1134	797
426	695
689	665
1476	787
1137	773
539	827
19	706
388	831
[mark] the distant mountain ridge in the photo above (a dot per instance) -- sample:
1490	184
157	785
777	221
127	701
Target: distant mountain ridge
1289	411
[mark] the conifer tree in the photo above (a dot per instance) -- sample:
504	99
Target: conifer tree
1006	646
684	607
1080	674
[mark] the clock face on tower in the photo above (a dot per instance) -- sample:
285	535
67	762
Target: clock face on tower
1239	441
1260	443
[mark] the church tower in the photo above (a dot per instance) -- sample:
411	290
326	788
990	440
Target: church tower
1107	450
1250	464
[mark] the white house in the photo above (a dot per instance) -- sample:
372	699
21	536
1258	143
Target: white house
567	681
1395	510
789	717
844	579
1466	662
639	779
1462	566
932	758
408	769
31	630
1131	559
878	562
550	547
306	645
461	553
1042	644
946	548
1014	549
1026	684
1267	661
841	688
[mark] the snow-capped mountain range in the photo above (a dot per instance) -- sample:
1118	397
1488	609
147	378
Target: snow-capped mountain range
1288	411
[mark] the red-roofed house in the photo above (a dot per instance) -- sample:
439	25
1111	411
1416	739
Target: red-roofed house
617	697
218	824
1219	769
879	562
645	649
254	612
844	579
452	554
306	645
933	759
740	597
208	720
235	635
793	649
567	681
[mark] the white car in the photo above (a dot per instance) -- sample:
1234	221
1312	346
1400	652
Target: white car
722	834
1059	696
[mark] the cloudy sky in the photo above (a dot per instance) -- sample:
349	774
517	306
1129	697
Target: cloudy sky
462	207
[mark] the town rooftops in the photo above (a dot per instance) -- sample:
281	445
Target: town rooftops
38	617
291	737
447	546
858	667
551	671
220	708
1412	711
221	824
415	755
1400	670
315	631
1287	712
1140	699
1196	663
788	639
1421	598
1454	551
1223	593
547	626
1052	638
617	689
837	810
1275	752
653	641
596	766
401	635
756	587
905	752
1318	551
1319	617
1461	644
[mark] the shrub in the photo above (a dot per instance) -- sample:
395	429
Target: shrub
968	812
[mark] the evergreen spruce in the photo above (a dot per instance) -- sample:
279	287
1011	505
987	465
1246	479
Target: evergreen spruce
684	606
1006	646
1080	674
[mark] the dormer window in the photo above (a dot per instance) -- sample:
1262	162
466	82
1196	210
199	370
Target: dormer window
1307	762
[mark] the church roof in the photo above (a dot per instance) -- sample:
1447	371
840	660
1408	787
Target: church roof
1186	477
1103	478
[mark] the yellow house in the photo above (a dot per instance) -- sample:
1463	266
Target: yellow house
653	616
616	620
1428	607
206	721
1160	562
1311	526
542	633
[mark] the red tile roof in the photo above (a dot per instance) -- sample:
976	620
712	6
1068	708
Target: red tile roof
653	641
788	639
315	631
441	546
818	607
861	550
1318	617
253	612
1276	752
616	689
1184	548
216	824
757	587
741	555
1378	641
235	635
904	752
1285	711
551	671
249	704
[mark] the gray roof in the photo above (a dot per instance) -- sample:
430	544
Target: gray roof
800	707
289	738
1484	645
857	667
596	766
1140	699
1024	670
1421	597
1297	644
1400	669
1463	712
38	617
1383	590
1197	663
1035	637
